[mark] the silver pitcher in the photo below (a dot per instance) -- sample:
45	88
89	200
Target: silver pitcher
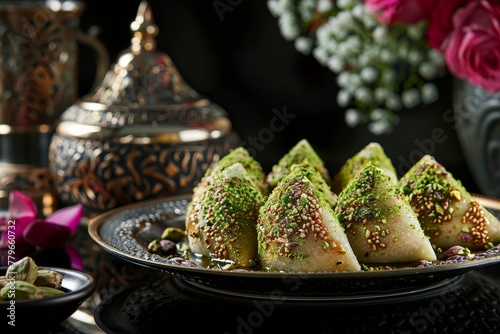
39	43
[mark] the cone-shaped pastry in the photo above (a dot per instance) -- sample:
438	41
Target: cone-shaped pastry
380	224
298	232
241	155
297	154
448	214
222	224
372	153
315	177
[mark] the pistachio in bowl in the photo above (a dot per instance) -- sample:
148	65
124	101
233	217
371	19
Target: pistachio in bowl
33	297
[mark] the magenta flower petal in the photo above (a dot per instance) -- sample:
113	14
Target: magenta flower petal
21	206
44	234
69	217
22	211
75	258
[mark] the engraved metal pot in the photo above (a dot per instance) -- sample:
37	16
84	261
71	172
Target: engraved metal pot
142	133
477	121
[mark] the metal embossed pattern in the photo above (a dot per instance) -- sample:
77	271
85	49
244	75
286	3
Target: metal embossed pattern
38	71
28	178
116	116
105	175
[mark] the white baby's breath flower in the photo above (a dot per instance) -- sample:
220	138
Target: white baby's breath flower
380	94
354	81
335	64
344	4
345	19
320	55
358	11
324	35
363	94
378	114
288	26
368	20
342	49
415	57
343	98
416	31
373	62
380	127
427	70
393	102
387	56
303	45
369	74
354	43
324	6
353	117
275	7
331	47
342	78
410	98
349	48
436	57
429	93
306	9
365	58
381	34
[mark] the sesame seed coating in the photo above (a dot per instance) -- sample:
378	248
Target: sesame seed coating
225	218
474	217
297	230
358	204
309	171
295	212
448	214
379	222
431	194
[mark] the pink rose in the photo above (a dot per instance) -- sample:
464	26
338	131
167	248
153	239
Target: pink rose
441	21
400	11
473	50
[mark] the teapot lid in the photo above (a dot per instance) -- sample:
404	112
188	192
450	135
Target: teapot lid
144	99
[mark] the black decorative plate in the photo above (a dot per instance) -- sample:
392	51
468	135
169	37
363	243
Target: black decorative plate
126	231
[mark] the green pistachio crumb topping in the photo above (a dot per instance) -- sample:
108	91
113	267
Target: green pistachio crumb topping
373	154
229	203
299	153
290	215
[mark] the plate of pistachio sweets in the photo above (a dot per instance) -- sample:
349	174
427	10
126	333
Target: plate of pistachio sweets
364	232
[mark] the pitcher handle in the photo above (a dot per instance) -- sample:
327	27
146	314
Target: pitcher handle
102	55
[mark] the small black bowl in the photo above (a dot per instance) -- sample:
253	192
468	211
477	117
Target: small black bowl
39	315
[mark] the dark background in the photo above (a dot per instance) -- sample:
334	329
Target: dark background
241	61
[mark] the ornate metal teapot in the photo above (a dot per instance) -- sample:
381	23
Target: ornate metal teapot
142	133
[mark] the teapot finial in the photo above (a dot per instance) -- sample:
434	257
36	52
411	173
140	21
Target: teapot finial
144	29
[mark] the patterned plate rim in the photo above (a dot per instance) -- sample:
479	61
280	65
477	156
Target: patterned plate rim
95	225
